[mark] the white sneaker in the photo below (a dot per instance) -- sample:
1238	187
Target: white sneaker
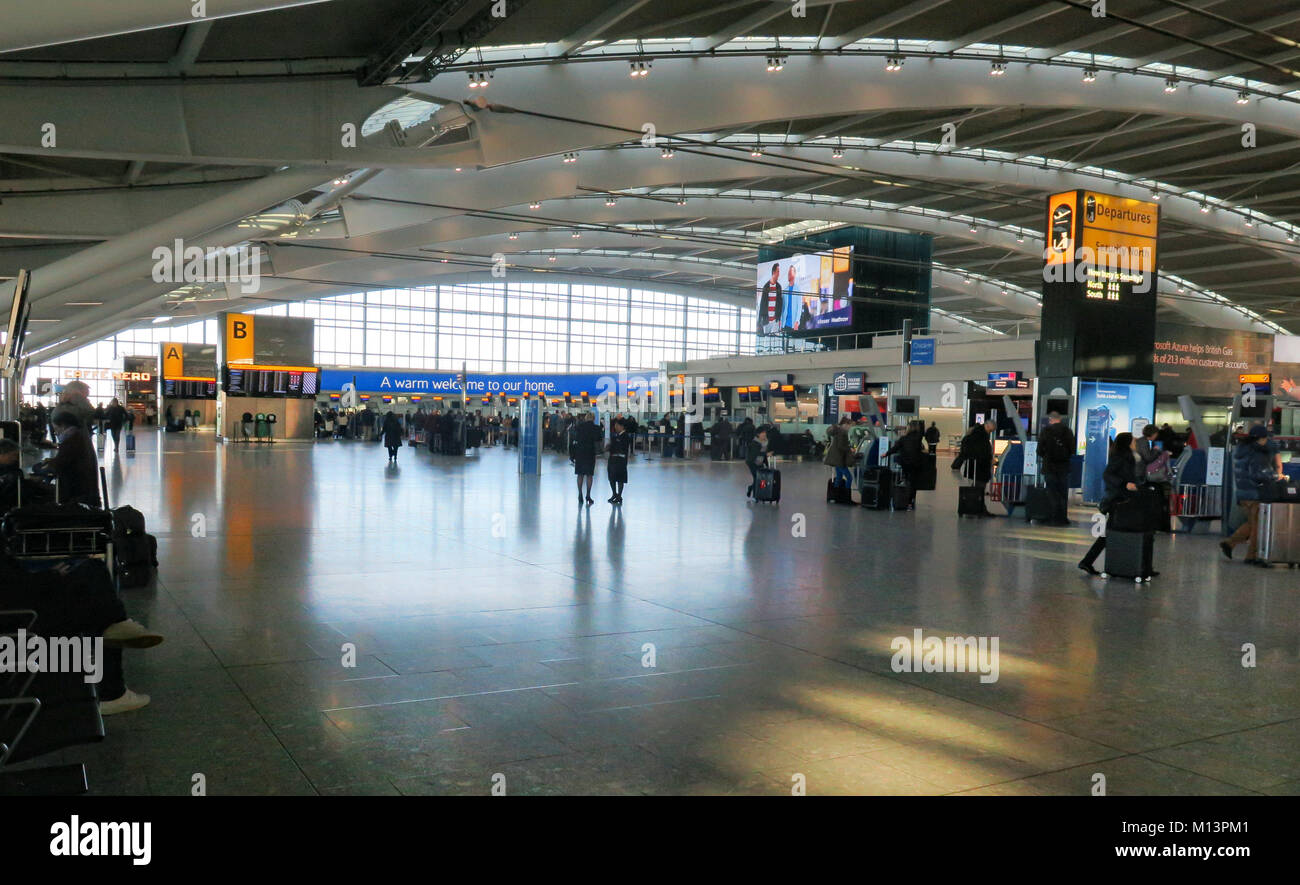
125	704
131	634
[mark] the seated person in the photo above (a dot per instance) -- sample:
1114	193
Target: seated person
74	465
77	598
12	481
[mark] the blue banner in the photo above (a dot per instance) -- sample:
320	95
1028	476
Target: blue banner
414	382
923	351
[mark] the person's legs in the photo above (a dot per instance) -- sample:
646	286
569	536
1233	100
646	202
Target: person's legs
843	477
982	486
1058	486
1093	552
753	480
117	435
1252	526
1245	531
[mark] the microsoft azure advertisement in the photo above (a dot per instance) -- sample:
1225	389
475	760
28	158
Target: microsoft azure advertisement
401	382
1107	409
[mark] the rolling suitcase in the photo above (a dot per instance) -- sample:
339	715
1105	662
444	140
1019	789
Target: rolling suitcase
1038	504
927	475
970	501
902	496
1129	554
767	486
1142	511
838	494
130	441
876	485
1279	533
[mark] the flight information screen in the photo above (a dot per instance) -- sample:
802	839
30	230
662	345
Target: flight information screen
272	382
190	389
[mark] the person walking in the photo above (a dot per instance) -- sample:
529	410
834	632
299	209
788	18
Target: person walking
392	433
1055	448
1122	477
1252	467
755	458
620	448
582	452
932	437
116	416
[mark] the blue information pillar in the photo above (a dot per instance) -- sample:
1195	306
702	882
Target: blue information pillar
530	437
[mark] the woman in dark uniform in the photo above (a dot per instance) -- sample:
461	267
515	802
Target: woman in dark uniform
582	452
620	444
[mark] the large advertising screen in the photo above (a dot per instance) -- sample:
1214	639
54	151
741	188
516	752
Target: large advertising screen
1107	409
806	292
1200	361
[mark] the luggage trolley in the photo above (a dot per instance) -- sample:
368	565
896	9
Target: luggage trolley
61	532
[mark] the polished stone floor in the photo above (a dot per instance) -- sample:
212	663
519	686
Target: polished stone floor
502	631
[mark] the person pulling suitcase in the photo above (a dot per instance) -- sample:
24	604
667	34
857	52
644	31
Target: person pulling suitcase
1122	477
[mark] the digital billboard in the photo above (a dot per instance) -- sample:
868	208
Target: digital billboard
1107	409
806	292
1201	361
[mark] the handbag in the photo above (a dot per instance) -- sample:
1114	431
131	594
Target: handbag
1159	470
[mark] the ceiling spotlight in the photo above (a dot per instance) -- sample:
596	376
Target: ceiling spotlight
1290	236
1205	208
479	79
969	281
550	258
1250	219
1243	97
974	229
756	152
997	69
534	205
610	201
667	153
570	158
775	63
576	235
894	63
1171	85
1090	75
681	201
837	153
514	236
1155	194
339	182
638	68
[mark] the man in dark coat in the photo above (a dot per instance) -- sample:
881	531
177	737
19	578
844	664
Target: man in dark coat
1055	447
976	457
74	466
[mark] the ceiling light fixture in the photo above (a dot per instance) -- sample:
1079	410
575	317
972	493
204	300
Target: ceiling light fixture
610	201
514	236
1243	97
638	68
1205	208
998	69
534	205
667	153
1171	85
775	63
894	63
479	79
1090	75
570	158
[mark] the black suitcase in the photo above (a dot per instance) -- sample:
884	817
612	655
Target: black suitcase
1128	554
767	485
970	501
902	496
1038	504
876	485
1141	511
927	475
838	494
